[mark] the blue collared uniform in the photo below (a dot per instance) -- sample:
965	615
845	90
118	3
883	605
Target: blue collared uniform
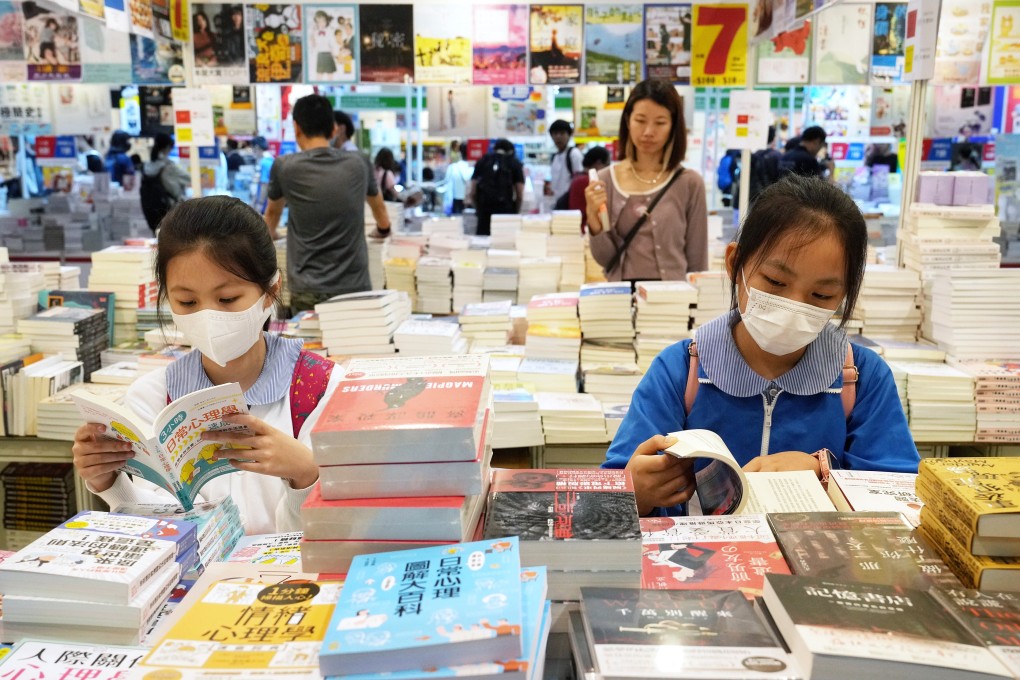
798	411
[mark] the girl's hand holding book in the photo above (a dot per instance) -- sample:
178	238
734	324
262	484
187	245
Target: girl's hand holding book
267	451
98	458
660	481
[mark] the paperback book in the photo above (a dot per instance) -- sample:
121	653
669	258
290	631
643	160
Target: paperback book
38	659
993	617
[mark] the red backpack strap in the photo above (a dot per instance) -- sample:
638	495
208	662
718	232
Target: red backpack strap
850	377
307	387
692	377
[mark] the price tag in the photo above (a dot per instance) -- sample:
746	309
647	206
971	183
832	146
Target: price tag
719	52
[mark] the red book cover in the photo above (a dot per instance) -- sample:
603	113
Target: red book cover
553	301
316	501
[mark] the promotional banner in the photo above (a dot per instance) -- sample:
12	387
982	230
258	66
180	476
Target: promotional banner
749	117
51	43
25	109
598	110
1003	44
612	44
105	54
500	46
160	59
890	111
668	43
843	45
80	109
961	111
387	41
274	43
218	38
719	55
786	58
517	111
331	39
457	111
963	29
555	41
12	43
140	16
442	44
887	54
841	111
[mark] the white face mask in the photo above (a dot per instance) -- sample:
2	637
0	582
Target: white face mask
780	325
224	336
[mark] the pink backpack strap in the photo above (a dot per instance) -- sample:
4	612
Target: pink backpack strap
850	377
307	387
692	378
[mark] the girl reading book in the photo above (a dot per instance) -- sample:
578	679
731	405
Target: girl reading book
216	270
782	386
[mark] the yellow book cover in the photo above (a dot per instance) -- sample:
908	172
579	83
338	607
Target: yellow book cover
984	492
262	630
982	572
547	331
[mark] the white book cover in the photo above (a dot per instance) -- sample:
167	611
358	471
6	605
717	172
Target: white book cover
38	659
866	490
722	484
268	549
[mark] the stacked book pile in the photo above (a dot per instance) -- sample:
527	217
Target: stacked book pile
502	268
505	362
435	287
570	250
533	244
403	446
593	271
517	421
444	246
889	303
442	226
28	383
902	350
900	378
565	223
554	330
429	337
606	352
400	261
538	275
58	418
503	231
972	319
996	397
20	284
549	375
74	331
540	223
486	324
571	418
605	312
362	323
61	277
468	276
37	497
97	570
971	518
944	238
127	272
611	383
13	348
663	309
941	402
281	264
713	296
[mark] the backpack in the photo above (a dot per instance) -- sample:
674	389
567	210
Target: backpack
725	173
156	202
495	187
764	170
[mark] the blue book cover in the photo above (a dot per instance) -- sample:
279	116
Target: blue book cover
180	532
619	289
433	606
533	609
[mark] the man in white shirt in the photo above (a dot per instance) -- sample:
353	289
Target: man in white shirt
458	174
566	162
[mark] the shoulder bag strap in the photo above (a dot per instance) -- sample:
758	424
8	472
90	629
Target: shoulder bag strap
640	223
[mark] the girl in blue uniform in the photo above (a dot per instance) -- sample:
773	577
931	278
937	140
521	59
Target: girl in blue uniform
782	386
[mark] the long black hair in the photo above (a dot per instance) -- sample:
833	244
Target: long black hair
665	95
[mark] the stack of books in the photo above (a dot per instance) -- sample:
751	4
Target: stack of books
889	303
581	524
996	397
280	246
971	319
37	497
517	422
362	323
538	275
486	324
592	269
611	383
128	273
941	402
571	418
549	375
435	287
606	352
663	309
505	362
20	283
445	245
428	337
570	250
57	417
468	276
902	350
96	570
970	516
605	311
713	296
554	330
533	244
503	230
33	383
502	269
944	237
540	223
400	261
403	447
74	331
442	226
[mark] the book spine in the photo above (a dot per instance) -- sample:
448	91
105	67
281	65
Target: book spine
965	566
936	510
951	498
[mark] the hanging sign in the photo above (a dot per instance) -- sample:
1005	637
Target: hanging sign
719	53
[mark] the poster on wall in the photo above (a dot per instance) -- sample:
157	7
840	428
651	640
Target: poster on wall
786	58
1004	43
841	111
719	52
843	45
12	43
759	17
274	43
887	52
457	111
516	111
25	109
140	17
80	109
157	110
555	40
598	110
960	111
668	43
268	109
963	29
105	54
500	46
156	61
612	44
331	40
442	44
116	15
219	43
1007	181
51	43
387	39
890	111
92	8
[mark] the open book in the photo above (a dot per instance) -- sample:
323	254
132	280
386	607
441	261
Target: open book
171	452
723	488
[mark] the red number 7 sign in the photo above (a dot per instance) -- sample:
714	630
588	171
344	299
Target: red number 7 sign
731	20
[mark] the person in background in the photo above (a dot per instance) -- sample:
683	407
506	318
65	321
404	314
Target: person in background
673	240
768	376
174	178
727	174
325	190
344	137
764	169
204	40
28	178
595	158
566	162
216	272
881	154
264	160
497	185
458	173
385	177
802	159
235	159
118	162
